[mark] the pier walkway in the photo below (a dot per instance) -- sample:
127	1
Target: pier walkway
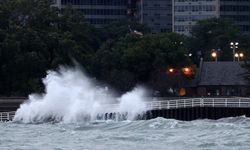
184	109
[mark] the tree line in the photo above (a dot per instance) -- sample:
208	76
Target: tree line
35	37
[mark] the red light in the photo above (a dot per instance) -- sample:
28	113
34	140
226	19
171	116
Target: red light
186	71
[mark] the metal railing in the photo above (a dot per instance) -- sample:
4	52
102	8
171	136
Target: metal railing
200	102
237	102
6	116
170	104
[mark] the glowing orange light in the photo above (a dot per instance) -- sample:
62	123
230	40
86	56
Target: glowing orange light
186	71
171	70
236	55
241	55
214	54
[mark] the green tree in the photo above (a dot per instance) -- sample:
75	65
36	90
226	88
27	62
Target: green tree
214	33
35	37
137	58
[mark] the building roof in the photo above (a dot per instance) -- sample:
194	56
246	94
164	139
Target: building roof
221	73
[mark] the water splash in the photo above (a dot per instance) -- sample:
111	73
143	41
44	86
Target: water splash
70	96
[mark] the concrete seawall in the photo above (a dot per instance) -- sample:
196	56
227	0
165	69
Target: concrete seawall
195	108
188	114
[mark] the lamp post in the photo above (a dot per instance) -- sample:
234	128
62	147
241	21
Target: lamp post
189	55
241	55
214	55
238	56
234	46
178	73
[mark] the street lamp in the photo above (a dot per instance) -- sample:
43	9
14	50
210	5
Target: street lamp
238	56
241	55
177	74
186	71
214	55
234	46
171	70
189	55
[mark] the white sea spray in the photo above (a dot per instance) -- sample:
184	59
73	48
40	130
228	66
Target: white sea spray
70	96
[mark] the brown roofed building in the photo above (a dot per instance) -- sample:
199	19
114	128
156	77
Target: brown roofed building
219	79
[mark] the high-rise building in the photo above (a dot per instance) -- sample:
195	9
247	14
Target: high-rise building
162	15
187	12
101	12
156	14
238	11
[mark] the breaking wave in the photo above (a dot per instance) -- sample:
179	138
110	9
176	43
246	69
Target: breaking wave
70	96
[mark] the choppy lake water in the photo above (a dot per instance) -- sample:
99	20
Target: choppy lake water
159	133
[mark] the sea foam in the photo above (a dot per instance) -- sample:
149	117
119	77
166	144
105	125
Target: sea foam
71	96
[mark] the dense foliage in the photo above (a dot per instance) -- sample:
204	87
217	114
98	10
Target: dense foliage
216	34
35	37
130	59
